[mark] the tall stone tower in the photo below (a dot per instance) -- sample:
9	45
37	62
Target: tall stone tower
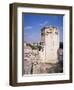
50	44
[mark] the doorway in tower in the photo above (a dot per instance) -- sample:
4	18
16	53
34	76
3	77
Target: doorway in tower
42	43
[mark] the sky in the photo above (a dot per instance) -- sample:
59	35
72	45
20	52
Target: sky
32	24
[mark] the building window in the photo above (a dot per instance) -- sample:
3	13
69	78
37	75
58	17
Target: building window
49	32
42	34
56	32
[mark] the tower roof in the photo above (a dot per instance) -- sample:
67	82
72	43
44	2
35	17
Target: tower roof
52	28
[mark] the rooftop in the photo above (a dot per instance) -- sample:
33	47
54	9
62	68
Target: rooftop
49	27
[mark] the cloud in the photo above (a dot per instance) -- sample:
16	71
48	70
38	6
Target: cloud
28	27
44	23
41	24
